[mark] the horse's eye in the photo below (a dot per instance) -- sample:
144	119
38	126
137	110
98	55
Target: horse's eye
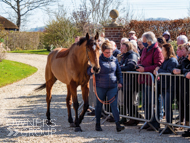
94	47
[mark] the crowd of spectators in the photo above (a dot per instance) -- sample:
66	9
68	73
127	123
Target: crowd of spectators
154	55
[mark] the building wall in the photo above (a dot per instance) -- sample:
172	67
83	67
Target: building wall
114	34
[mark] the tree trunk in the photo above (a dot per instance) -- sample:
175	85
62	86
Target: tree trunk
18	15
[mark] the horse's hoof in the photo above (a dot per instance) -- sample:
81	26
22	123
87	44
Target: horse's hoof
48	122
78	129
72	125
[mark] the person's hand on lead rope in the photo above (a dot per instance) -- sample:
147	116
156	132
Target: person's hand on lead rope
119	85
92	71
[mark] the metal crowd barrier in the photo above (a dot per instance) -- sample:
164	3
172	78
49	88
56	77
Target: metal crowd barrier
91	98
91	101
136	98
133	104
175	90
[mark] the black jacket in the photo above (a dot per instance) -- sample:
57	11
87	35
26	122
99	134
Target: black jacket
185	66
129	61
183	82
116	52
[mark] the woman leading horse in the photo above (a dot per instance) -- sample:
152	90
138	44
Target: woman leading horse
70	67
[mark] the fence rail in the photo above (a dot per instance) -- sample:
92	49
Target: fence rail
136	100
172	99
144	97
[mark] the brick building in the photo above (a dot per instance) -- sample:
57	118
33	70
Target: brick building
114	33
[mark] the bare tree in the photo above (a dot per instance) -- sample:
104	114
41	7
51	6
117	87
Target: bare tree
91	15
23	7
98	10
188	10
81	17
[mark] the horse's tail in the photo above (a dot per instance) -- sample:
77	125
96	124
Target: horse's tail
40	87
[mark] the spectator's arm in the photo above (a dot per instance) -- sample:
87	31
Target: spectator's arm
170	67
130	67
179	66
130	64
184	71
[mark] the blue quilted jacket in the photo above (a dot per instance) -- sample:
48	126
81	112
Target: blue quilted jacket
109	74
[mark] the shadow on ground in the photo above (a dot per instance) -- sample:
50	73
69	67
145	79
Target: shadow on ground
29	120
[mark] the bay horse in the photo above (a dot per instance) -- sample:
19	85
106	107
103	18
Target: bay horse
70	67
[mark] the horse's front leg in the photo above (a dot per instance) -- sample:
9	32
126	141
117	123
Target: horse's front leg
73	89
85	92
69	102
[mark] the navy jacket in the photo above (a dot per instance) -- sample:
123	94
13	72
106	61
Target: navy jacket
109	74
167	67
116	52
129	61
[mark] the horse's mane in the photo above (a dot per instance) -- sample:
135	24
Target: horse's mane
82	40
64	52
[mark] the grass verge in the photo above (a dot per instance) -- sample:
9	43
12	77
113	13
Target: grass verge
14	71
40	52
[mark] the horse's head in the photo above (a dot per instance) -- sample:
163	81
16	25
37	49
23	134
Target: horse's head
93	52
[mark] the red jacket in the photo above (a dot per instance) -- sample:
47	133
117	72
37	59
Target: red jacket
150	60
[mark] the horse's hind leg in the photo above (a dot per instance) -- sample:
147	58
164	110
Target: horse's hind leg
85	92
69	102
49	83
73	89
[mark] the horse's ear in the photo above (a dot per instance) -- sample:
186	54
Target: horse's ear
97	36
87	36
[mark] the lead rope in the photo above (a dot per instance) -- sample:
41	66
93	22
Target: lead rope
101	101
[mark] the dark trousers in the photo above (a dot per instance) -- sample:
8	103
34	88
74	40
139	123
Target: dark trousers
129	98
168	100
147	105
185	101
110	93
182	95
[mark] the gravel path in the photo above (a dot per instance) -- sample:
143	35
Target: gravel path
22	114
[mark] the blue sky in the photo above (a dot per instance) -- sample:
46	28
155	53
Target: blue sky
171	9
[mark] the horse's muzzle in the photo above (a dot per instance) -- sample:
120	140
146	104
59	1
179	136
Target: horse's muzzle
96	70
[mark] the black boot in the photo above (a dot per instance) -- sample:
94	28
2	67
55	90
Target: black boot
118	127
123	120
98	127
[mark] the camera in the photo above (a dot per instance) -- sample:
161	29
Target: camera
137	67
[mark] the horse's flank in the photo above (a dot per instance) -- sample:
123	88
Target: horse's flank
69	64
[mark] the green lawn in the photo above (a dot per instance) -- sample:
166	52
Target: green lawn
40	52
11	71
